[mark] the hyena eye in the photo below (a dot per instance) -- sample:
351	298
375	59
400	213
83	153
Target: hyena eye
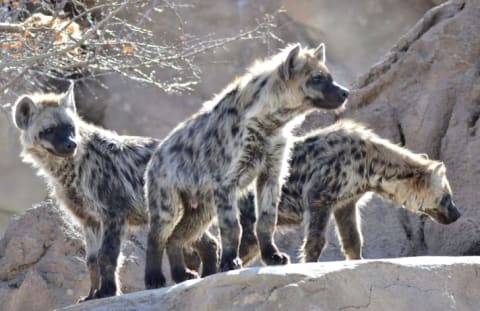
318	79
48	131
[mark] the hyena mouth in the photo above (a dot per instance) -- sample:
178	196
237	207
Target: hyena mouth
63	153
326	104
441	218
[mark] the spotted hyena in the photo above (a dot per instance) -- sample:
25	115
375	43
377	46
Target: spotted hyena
331	168
95	174
200	168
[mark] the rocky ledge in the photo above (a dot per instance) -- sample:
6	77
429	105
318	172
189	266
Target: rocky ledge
414	283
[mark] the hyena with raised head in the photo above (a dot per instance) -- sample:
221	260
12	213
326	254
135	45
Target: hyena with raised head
331	168
200	168
97	175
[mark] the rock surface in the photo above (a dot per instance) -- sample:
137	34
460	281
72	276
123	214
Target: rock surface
41	261
421	283
425	95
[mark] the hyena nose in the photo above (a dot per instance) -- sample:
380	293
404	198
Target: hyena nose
70	145
344	93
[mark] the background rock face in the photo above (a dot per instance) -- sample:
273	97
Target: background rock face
426	95
356	36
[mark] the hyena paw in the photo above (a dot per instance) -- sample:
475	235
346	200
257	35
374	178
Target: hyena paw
180	276
228	264
154	280
84	298
276	258
105	291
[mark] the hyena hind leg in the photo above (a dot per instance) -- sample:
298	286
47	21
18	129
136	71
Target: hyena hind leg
93	237
193	224
208	248
347	230
165	209
316	220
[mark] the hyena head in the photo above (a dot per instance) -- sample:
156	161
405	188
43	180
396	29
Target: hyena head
47	122
309	82
430	194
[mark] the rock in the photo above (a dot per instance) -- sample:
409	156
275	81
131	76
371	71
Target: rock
421	283
425	95
41	261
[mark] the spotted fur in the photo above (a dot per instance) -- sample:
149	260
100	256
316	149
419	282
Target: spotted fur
331	168
237	139
95	174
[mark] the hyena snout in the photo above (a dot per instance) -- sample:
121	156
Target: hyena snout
60	141
452	213
335	95
343	92
445	214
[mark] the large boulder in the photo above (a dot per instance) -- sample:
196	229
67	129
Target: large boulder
41	261
421	283
425	95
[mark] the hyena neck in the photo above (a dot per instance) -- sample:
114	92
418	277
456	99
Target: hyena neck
390	167
52	167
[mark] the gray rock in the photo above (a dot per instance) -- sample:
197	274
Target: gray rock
421	283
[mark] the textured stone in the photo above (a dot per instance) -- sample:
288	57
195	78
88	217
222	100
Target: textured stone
41	261
421	283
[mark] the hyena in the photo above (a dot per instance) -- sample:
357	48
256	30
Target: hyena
331	168
97	175
200	168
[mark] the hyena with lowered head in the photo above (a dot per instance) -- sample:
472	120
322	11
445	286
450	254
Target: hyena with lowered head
331	168
97	175
200	168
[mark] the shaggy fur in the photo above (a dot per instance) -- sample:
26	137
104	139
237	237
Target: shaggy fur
331	168
97	175
200	168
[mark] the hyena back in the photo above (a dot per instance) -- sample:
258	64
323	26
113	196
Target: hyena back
330	169
97	175
199	169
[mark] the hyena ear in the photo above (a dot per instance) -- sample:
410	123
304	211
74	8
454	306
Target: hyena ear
424	155
23	111
439	168
68	100
288	67
320	53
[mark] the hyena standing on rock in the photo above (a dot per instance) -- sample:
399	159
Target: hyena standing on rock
331	168
200	168
97	175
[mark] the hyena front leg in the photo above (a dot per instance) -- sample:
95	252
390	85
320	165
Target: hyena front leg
165	213
229	224
93	237
316	220
114	228
347	230
267	195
